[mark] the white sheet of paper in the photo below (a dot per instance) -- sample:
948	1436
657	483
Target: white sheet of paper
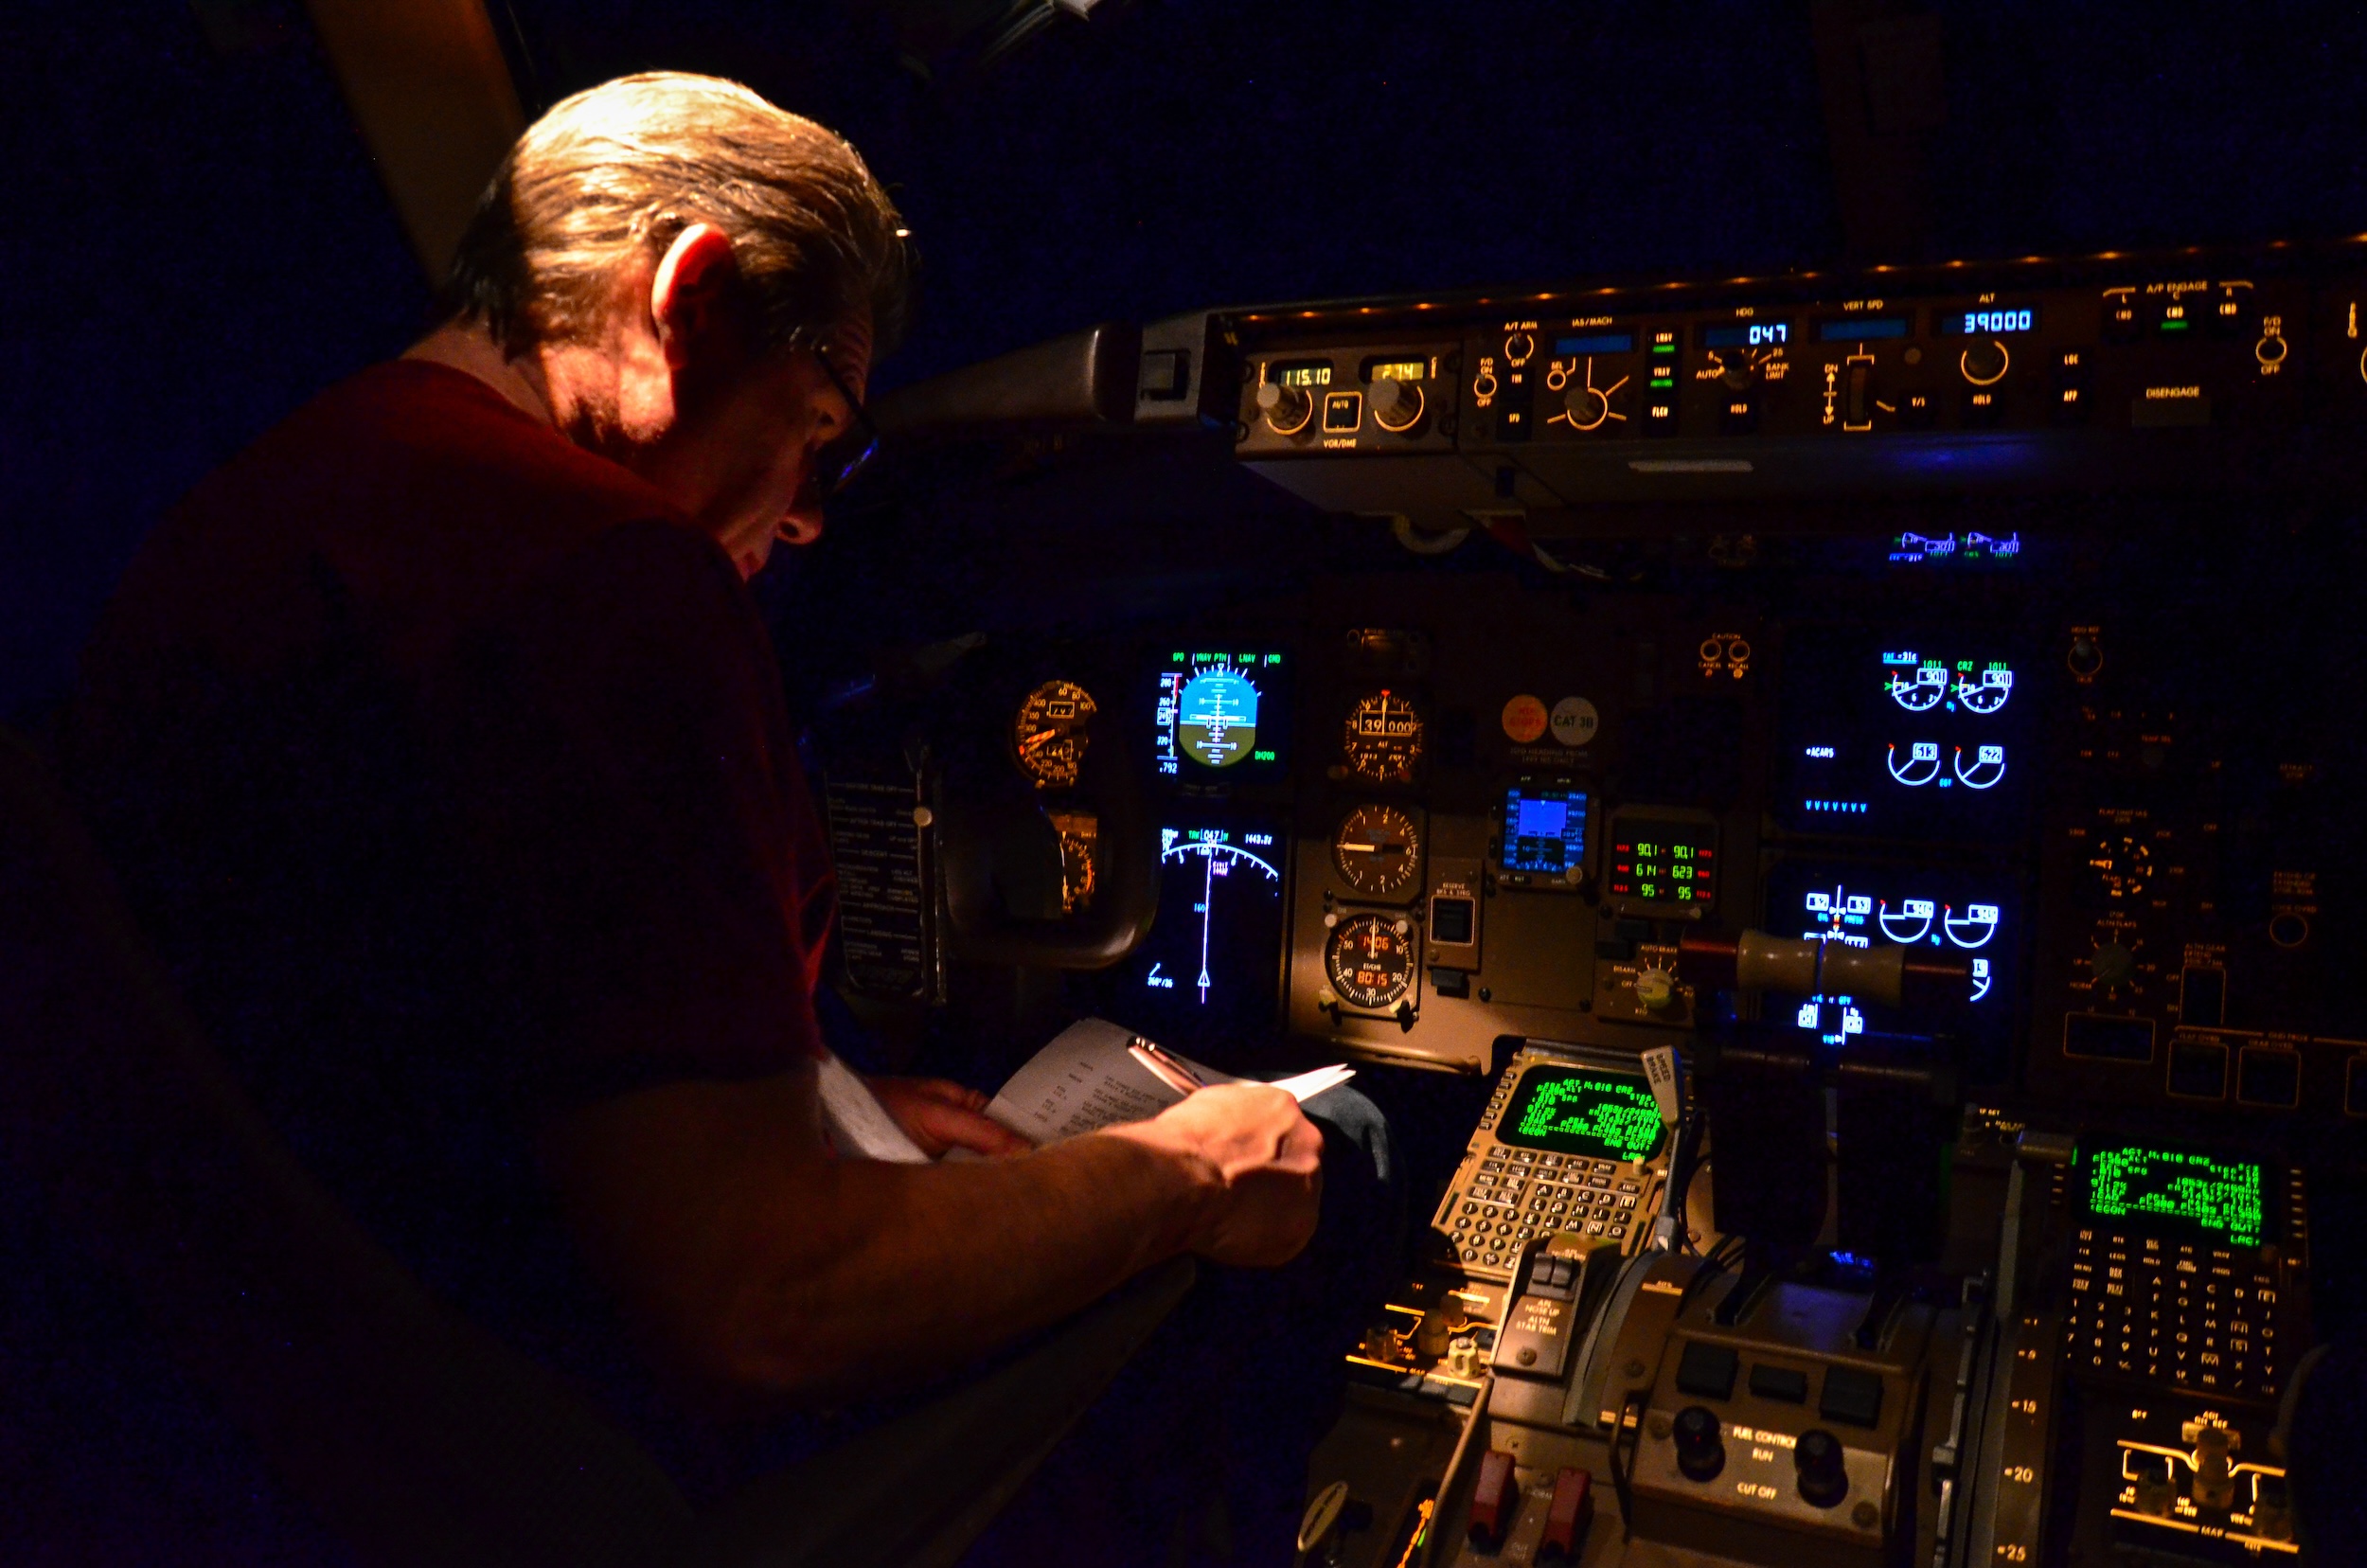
1086	1080
859	1125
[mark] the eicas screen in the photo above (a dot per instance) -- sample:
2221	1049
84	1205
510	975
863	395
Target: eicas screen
1220	715
1909	736
1970	916
1596	1115
1208	972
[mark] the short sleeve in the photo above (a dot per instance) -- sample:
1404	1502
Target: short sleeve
660	893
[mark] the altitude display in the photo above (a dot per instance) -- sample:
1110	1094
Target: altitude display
1544	830
1908	739
1987	321
1383	739
2176	1193
1658	867
1207	971
1596	1115
1213	708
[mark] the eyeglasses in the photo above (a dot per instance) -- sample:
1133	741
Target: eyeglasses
846	454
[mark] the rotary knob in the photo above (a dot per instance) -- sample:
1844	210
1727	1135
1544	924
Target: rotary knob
2113	965
1287	408
1396	405
1587	407
1984	364
1823	1473
1701	1446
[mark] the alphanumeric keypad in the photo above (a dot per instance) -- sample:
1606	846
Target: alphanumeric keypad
2185	1312
1517	1194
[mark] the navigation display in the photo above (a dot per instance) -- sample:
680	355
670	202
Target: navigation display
2170	1193
1917	735
1220	713
1208	971
1570	1111
1545	830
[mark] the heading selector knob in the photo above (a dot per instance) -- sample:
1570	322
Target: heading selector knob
1286	408
1396	405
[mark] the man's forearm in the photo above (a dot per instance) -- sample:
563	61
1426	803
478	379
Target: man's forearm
753	1261
908	1271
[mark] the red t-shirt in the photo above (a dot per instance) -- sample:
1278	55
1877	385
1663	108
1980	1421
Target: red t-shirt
449	767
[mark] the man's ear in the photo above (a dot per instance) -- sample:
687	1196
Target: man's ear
694	298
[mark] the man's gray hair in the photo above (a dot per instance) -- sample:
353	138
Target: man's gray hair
621	169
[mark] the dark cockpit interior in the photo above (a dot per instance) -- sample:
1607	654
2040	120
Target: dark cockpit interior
1751	613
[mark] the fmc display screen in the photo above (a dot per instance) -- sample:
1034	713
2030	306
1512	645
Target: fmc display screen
1570	1111
2174	1193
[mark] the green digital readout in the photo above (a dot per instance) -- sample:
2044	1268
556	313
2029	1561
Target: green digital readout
2223	1200
1564	1111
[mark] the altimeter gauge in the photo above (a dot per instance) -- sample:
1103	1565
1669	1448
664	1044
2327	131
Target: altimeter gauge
1383	743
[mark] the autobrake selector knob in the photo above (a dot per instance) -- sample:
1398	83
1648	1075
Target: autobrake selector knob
1823	1475
1396	405
1700	1445
1286	408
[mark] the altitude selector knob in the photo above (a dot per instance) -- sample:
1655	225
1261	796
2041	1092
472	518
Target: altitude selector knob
1587	407
1823	1476
1983	363
1701	1446
1286	408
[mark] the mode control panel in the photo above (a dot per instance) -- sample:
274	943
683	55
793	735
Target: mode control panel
1571	1141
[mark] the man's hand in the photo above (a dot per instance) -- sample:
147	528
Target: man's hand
1263	1162
939	1115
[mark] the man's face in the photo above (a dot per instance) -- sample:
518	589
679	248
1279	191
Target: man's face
741	453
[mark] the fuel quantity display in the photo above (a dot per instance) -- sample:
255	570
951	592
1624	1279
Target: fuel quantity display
1219	713
1594	1115
2224	1202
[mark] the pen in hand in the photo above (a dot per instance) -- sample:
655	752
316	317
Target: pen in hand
1174	1074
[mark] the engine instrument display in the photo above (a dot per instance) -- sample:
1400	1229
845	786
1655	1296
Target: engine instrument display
1369	959
1048	735
1899	738
1594	1115
1378	851
1544	833
1384	741
1970	916
1662	866
1207	971
2223	1201
1218	711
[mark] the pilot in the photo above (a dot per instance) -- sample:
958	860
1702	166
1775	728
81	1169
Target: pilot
442	751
